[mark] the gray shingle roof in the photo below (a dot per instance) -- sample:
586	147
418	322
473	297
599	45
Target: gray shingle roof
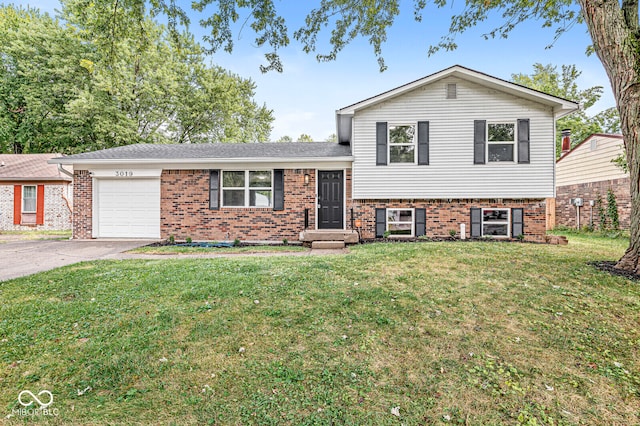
216	151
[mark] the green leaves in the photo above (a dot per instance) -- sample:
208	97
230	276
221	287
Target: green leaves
547	78
108	76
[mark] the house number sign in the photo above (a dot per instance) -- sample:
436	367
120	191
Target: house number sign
124	173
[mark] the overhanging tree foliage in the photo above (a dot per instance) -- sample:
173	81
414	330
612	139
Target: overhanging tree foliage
109	76
613	25
548	79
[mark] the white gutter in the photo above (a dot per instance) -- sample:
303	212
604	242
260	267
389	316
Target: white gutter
65	171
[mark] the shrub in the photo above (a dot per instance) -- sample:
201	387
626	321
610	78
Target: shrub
612	210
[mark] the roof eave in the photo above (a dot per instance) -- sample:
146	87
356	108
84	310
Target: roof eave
565	109
159	161
34	179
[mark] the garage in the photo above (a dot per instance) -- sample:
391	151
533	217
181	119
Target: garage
127	208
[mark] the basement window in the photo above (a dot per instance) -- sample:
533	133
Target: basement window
495	222
400	222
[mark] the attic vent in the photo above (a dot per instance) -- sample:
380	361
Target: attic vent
452	91
594	144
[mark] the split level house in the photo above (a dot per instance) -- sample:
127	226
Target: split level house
456	151
34	195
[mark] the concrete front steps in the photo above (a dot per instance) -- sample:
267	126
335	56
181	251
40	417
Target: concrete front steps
328	238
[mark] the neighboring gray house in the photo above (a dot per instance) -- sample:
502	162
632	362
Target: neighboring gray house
34	195
457	150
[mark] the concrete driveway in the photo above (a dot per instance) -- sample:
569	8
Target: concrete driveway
21	258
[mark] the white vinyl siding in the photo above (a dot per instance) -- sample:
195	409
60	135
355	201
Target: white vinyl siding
585	164
451	172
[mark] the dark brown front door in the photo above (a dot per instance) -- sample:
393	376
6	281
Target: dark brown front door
330	199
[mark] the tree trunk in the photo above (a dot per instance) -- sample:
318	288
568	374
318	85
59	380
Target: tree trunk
614	30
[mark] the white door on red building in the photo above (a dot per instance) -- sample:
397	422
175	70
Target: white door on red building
127	208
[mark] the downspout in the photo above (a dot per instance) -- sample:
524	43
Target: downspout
64	196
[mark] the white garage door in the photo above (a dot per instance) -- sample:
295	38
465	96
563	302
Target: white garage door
128	208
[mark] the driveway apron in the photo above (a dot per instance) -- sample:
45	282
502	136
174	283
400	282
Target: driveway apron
21	258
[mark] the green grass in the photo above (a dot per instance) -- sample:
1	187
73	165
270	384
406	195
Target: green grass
214	250
451	333
37	235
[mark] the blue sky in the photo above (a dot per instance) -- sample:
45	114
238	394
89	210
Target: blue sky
305	96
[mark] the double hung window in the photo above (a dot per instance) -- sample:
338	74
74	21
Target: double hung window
247	188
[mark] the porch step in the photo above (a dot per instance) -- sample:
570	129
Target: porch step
348	236
326	245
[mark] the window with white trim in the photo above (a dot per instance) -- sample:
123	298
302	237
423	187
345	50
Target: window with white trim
402	143
495	222
400	222
501	142
247	188
29	199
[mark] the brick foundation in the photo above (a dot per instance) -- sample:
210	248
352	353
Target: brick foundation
444	216
566	213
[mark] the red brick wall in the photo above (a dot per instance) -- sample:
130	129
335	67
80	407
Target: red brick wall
443	216
566	213
184	210
82	204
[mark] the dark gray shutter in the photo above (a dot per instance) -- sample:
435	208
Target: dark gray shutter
476	223
278	189
479	141
423	143
523	141
421	222
214	189
517	222
381	222
381	144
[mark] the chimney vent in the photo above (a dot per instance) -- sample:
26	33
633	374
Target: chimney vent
566	141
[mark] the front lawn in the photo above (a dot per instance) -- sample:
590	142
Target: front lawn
393	333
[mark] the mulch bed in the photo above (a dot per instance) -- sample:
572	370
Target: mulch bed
608	266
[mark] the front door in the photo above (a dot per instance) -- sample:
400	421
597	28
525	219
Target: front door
330	199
